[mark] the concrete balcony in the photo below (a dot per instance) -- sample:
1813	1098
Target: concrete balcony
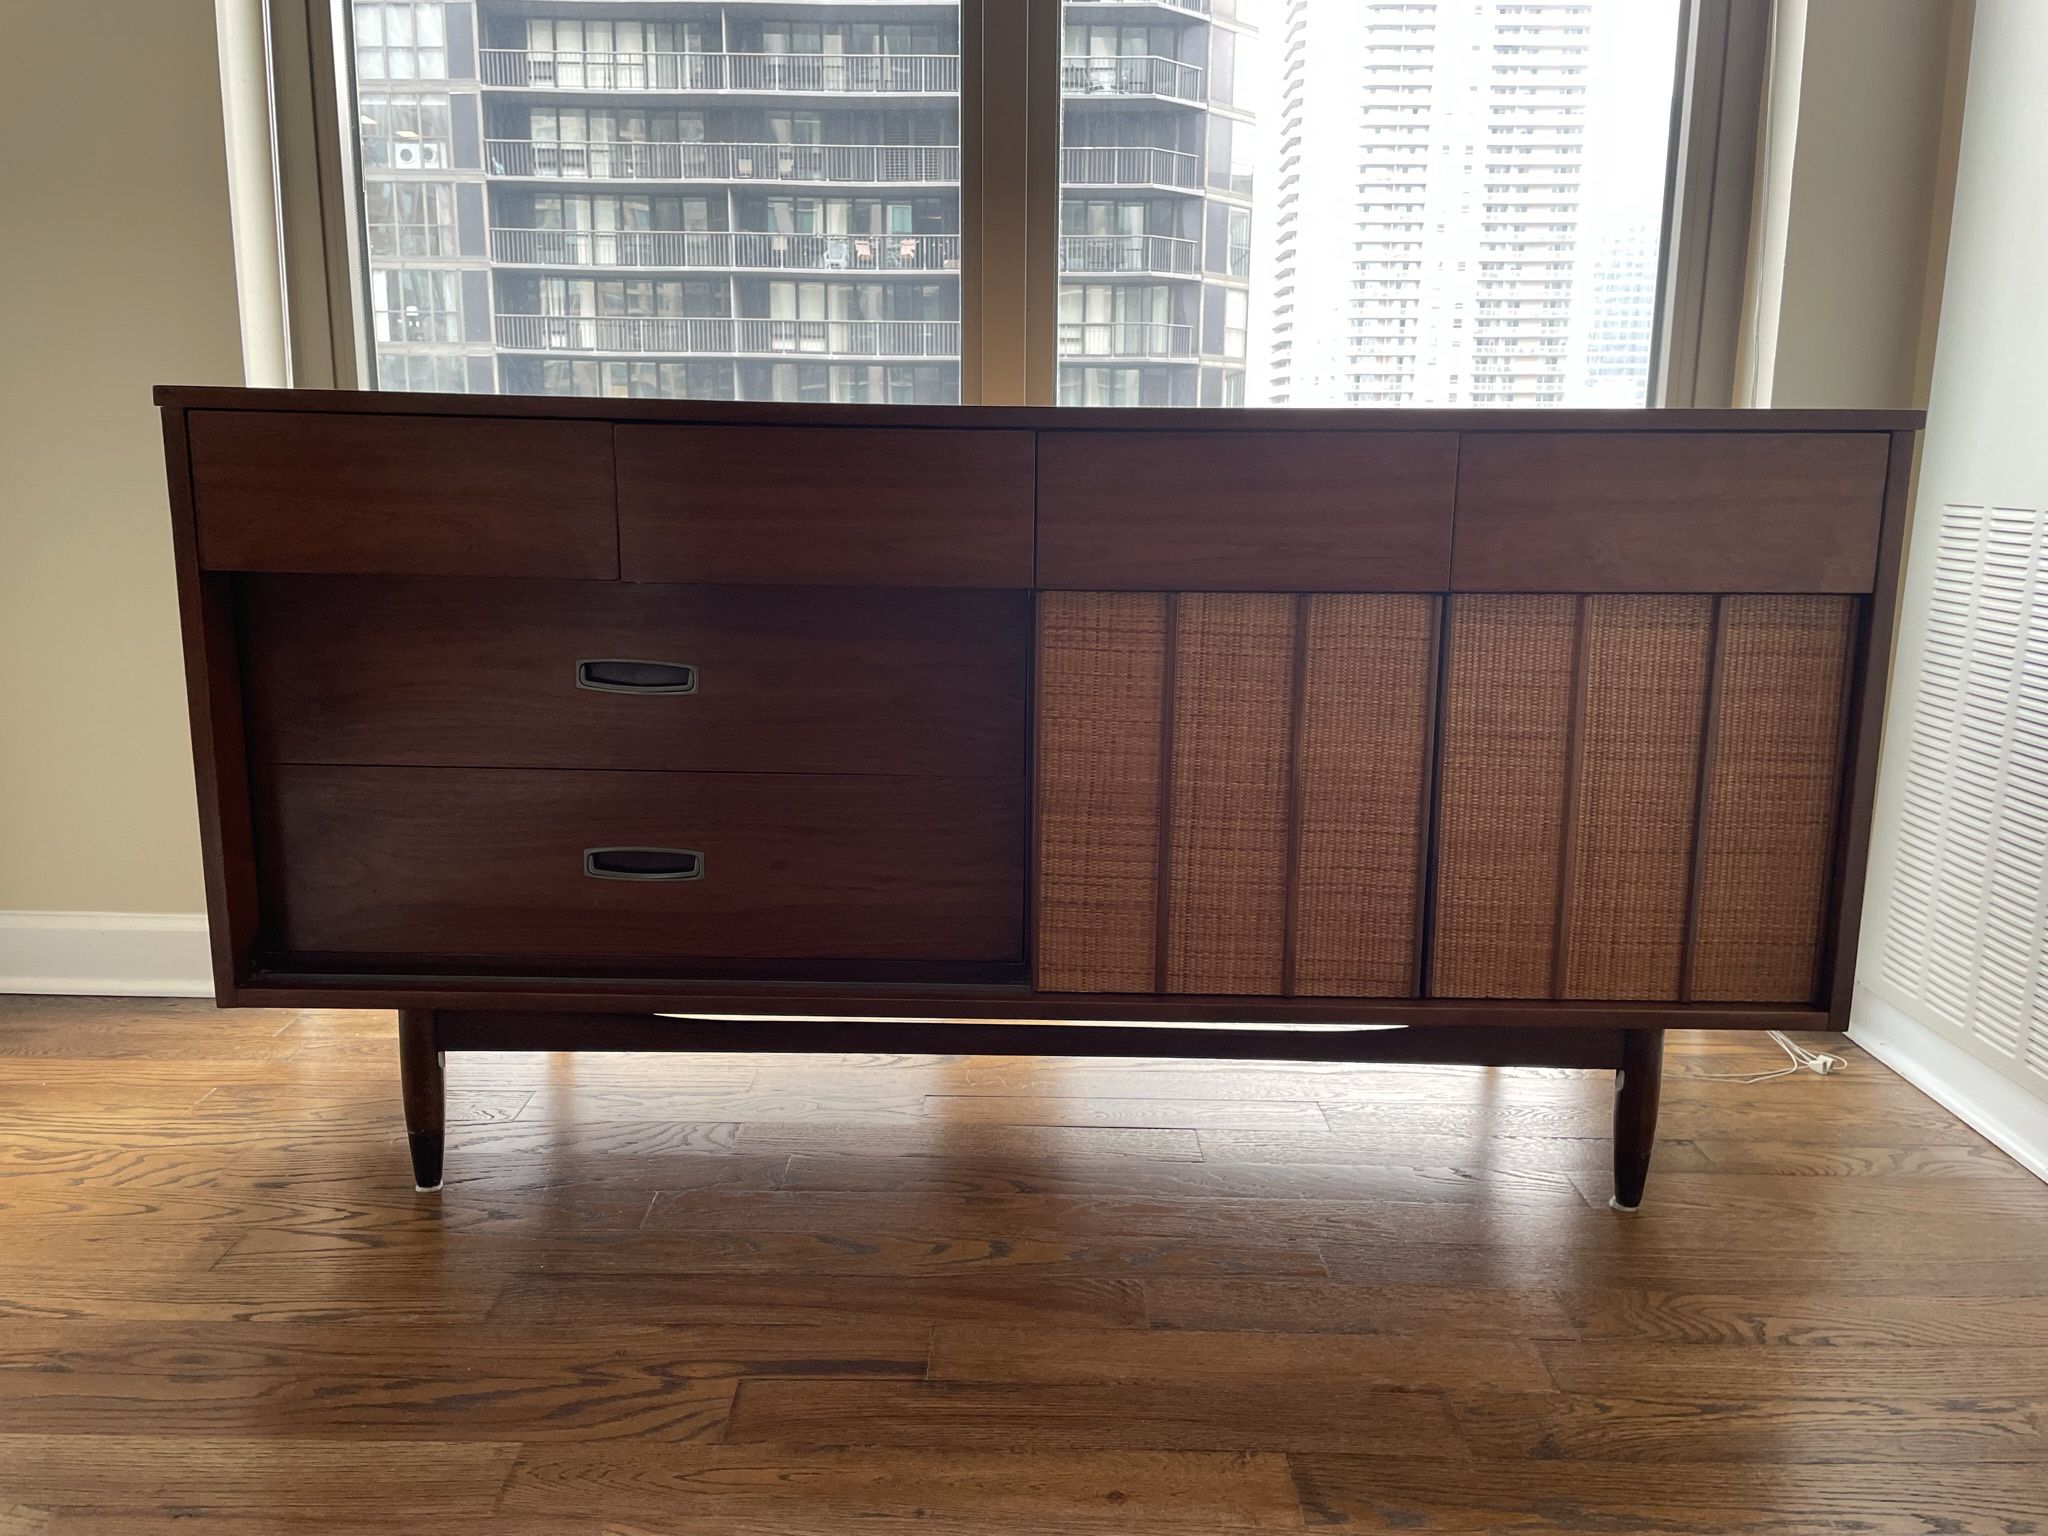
1108	166
776	74
1155	255
1085	75
678	336
1154	341
1186	7
671	250
893	165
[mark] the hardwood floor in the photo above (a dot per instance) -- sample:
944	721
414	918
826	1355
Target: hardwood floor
799	1296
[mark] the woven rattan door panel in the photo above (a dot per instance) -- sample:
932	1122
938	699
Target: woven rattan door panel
1260	761
1638	796
1366	723
1101	697
1767	836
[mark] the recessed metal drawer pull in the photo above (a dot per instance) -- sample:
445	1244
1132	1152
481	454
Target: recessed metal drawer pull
643	863
617	676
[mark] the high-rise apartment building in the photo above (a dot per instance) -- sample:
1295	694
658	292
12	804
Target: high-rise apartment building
730	200
1459	203
1156	202
760	199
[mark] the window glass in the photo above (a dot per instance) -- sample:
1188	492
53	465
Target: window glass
1363	202
567	197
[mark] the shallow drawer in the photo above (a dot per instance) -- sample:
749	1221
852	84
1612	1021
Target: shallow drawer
1220	510
830	506
539	867
405	495
1669	511
622	675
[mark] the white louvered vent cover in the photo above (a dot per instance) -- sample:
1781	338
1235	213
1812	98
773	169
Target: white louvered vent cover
1962	945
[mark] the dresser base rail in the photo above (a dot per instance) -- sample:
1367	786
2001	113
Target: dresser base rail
1635	1056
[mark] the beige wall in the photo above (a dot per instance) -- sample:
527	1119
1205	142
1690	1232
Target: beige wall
119	275
1852	178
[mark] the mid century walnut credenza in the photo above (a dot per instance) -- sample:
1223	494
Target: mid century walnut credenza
552	723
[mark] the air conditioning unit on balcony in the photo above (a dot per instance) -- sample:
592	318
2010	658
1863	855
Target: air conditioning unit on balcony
407	156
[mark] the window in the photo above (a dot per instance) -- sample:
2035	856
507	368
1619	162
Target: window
1260	202
423	305
401	40
405	131
409	218
638	203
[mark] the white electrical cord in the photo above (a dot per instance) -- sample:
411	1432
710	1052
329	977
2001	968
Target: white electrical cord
1802	1060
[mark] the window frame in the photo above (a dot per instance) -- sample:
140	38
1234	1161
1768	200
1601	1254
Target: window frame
1010	198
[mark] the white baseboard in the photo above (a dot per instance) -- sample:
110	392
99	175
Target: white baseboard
2008	1114
106	954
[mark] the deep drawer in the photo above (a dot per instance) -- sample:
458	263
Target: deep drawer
458	864
540	674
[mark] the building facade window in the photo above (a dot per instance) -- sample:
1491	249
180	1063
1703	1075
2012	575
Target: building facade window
401	40
415	305
406	131
409	218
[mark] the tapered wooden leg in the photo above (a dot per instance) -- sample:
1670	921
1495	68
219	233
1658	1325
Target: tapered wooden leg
1635	1113
420	1076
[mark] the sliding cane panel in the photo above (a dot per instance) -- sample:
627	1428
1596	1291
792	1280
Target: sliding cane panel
1500	814
1233	679
1773	778
1367	712
1101	687
1641	710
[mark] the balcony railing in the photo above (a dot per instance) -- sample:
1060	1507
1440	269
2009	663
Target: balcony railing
1126	338
860	74
861	164
744	250
1140	74
1192	7
1107	166
682	336
1163	255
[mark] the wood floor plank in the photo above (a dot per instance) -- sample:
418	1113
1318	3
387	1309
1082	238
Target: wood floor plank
567	1383
1034	1142
549	1300
1316	1306
1137	1179
973	1352
1800	1318
1199	1490
1120	1416
1685	1427
268	1475
1571	1498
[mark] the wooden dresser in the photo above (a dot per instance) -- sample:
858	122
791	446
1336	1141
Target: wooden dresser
1530	734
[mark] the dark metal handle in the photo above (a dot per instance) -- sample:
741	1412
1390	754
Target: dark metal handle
643	864
616	676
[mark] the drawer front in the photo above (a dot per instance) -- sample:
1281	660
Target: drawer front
533	674
462	864
1669	512
825	506
1246	511
435	495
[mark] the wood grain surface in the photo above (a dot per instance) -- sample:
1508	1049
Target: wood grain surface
940	1295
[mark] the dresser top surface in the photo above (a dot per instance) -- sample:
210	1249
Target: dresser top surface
1030	418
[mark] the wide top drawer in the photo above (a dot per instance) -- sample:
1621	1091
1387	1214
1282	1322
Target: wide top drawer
1228	510
402	495
1669	511
825	506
